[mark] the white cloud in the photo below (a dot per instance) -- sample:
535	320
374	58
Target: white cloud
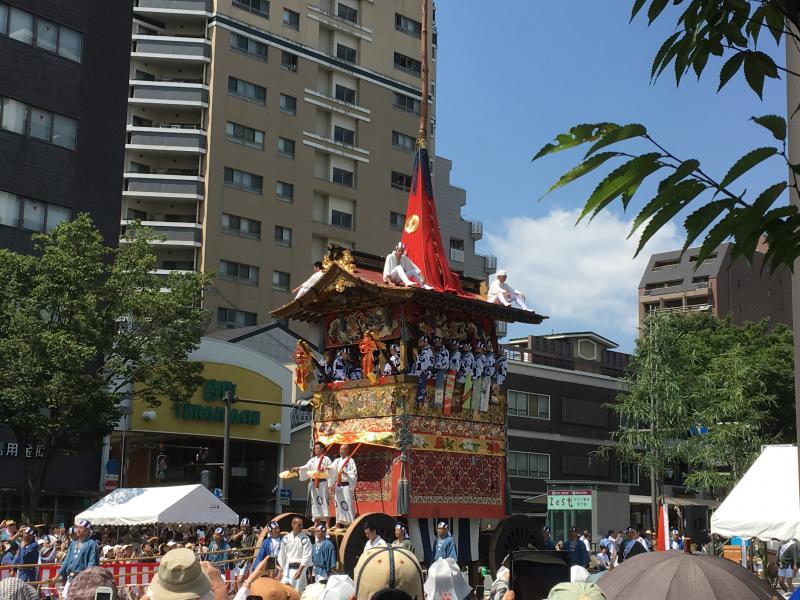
585	275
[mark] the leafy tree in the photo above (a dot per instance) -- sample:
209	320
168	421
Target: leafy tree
654	414
79	324
731	400
728	31
687	372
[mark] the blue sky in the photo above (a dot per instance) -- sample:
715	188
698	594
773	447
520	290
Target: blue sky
513	73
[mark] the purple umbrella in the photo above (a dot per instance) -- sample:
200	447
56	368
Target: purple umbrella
676	575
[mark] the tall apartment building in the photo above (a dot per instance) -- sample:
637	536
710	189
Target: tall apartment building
458	234
62	115
721	285
261	131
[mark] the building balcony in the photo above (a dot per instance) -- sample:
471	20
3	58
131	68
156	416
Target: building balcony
166	139
475	230
164	185
174	235
331	146
171	93
171	9
301	416
336	105
334	21
689	308
456	255
168	48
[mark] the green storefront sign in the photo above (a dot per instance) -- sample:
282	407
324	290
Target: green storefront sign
569	500
214	391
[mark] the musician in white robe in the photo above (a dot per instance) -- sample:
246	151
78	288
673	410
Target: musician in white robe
398	268
343	477
318	467
502	293
311	281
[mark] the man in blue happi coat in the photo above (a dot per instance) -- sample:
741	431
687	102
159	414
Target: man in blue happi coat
28	555
323	555
445	546
81	555
270	546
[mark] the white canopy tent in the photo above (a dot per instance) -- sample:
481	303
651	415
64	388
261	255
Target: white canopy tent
766	502
173	504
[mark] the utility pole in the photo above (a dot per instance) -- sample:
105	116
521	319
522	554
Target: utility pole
226	446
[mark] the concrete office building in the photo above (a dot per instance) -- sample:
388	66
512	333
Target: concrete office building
558	389
62	115
62	111
721	285
259	132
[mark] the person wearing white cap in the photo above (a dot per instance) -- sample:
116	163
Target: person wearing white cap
401	538
445	546
445	580
502	293
676	543
318	465
295	556
270	545
218	550
81	554
398	268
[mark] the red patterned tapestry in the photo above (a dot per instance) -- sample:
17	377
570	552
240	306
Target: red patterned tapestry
446	478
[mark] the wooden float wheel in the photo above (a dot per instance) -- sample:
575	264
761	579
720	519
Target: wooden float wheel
285	520
352	543
512	533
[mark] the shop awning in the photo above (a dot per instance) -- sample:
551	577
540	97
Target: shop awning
173	504
637	499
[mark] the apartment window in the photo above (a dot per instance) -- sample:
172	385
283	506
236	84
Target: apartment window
404	142
243	180
663	284
30	29
259	7
342	177
406	63
33	215
526	404
406	25
708	258
456	250
345	94
347	13
406	103
345	53
280	281
291	19
289	61
341	219
177	265
529	464
241	226
663	264
247	91
700	279
286	147
397	220
285	191
283	236
231	318
249	46
344	135
242	134
401	181
288	104
629	473
38	123
238	272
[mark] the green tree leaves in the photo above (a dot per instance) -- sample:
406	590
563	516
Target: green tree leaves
737	381
729	214
66	363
